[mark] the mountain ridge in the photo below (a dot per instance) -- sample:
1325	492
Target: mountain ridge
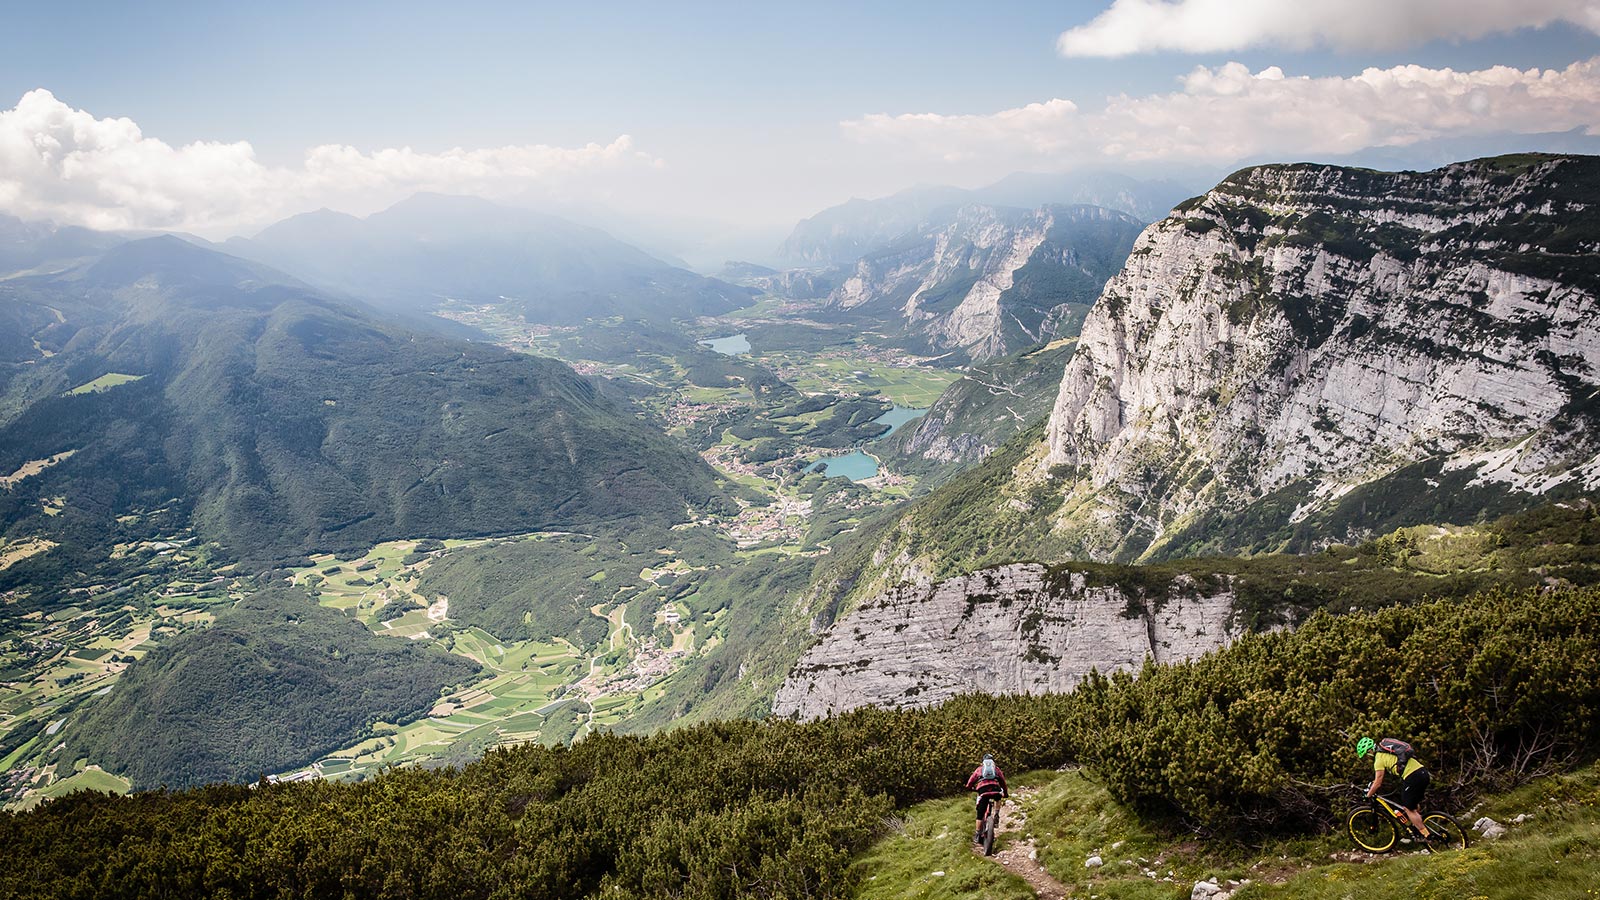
430	248
285	422
1266	341
843	233
988	281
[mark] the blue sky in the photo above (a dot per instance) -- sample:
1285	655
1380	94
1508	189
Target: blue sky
734	111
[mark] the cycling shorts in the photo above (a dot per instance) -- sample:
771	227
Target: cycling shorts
1412	789
985	799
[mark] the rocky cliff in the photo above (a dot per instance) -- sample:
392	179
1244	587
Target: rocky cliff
840	235
986	281
1008	630
1312	351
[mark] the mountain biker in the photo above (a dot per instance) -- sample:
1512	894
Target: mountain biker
1395	756
990	783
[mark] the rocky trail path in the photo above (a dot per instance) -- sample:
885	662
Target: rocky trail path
1019	854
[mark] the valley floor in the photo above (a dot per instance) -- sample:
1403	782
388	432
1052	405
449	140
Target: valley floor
551	690
1088	846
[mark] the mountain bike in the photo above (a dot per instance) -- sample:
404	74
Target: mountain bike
1379	825
991	824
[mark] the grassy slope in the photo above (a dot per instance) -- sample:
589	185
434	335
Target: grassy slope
933	837
1556	854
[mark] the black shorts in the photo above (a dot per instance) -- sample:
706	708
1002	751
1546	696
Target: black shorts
1412	789
984	800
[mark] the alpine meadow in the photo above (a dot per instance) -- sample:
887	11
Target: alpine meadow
1136	449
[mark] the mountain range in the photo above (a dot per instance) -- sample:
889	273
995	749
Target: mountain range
842	234
433	248
176	386
1272	401
1302	358
988	281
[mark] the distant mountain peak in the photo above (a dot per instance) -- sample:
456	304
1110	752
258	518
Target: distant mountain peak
843	233
174	260
432	246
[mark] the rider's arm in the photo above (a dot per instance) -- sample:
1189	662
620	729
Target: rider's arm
1377	782
972	779
1004	791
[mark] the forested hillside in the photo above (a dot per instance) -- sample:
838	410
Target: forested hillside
274	683
1234	743
187	388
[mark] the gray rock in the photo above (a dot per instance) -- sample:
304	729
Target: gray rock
1489	828
1197	363
1007	630
950	282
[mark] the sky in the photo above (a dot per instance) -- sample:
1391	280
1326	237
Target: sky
221	118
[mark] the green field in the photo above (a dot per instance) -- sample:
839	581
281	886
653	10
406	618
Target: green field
523	681
85	650
104	383
913	387
88	780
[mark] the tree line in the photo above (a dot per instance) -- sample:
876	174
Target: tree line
1257	736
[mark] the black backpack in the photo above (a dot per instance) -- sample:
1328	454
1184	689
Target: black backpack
1401	750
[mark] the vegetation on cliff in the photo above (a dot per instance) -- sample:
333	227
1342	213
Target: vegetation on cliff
1254	737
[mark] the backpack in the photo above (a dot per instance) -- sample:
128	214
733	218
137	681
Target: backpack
988	770
1402	751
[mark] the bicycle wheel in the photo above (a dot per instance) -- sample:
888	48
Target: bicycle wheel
989	826
1370	831
1446	833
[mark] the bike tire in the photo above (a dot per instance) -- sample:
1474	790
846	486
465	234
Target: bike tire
1446	833
989	826
1370	831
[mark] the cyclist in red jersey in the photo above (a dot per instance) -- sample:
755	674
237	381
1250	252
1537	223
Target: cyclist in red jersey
990	783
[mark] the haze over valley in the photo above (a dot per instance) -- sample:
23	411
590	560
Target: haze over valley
420	480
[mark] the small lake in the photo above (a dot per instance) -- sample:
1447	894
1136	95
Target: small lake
857	465
896	417
732	345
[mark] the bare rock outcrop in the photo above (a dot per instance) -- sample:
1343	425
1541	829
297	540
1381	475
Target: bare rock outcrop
988	281
1014	629
1302	332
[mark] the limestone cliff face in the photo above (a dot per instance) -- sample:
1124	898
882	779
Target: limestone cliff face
1012	629
1303	338
988	281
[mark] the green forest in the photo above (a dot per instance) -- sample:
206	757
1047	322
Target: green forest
1251	739
274	683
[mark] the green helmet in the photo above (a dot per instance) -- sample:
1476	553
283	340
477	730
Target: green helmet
1364	746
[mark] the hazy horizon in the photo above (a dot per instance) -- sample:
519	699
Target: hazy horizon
719	123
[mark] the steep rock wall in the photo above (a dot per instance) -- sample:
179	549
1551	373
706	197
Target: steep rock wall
988	281
1011	629
1303	331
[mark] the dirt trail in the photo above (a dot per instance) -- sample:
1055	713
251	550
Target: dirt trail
1018	853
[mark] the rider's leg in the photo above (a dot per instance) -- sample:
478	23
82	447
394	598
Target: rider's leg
1416	821
1411	793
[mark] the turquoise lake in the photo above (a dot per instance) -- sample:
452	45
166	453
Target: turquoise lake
732	345
857	465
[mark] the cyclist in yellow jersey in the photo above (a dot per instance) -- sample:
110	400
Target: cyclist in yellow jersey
1394	757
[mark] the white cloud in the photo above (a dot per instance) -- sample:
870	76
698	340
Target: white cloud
65	165
1210	26
1227	113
